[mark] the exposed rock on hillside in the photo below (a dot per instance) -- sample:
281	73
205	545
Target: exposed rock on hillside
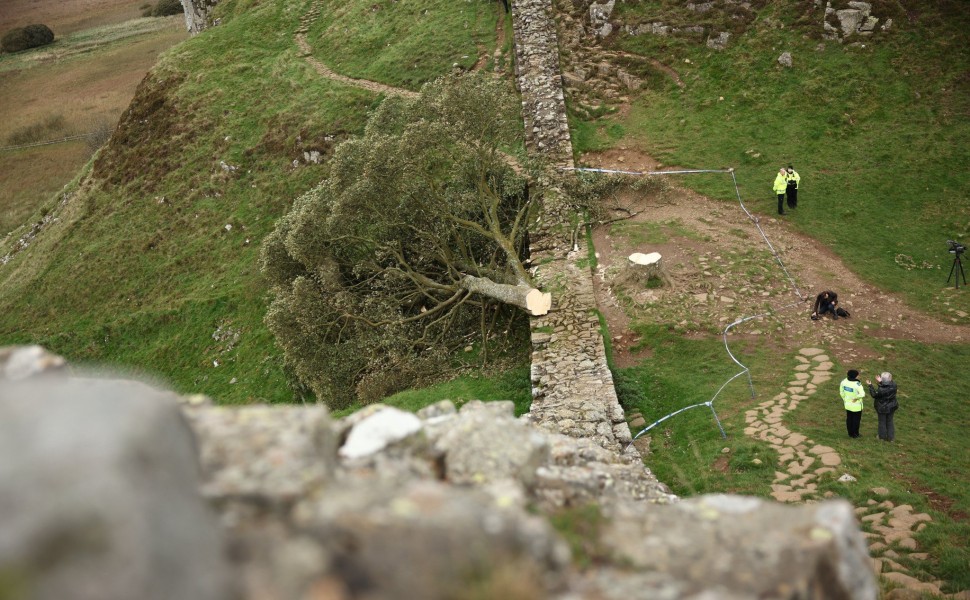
458	506
197	14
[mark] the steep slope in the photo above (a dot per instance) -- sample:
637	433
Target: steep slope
149	259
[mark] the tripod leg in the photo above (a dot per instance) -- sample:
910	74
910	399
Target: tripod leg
952	269
961	271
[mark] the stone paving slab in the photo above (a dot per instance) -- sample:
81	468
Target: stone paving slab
802	462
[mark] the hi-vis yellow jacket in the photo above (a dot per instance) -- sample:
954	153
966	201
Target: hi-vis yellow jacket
781	184
793	176
852	395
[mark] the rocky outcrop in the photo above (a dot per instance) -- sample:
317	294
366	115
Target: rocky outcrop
847	19
102	500
198	14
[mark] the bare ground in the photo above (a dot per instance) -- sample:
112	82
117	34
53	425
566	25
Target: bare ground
67	16
720	269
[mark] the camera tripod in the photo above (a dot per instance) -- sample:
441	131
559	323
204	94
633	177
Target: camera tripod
953	270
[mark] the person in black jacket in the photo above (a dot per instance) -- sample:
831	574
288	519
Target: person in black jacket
884	397
827	301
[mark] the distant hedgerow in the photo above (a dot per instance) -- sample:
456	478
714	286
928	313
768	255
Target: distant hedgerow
163	8
23	38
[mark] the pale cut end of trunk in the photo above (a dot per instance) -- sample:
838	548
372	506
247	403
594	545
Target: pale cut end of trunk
538	303
639	258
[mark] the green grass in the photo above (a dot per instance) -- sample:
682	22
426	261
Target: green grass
140	269
85	41
404	43
682	372
925	467
877	134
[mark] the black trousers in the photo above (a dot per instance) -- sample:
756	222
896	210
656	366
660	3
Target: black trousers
827	307
792	197
852	422
887	430
781	204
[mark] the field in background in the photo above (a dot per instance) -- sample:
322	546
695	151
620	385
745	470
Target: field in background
67	16
79	84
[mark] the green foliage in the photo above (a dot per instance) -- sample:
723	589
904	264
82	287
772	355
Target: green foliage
140	270
164	8
486	385
371	268
24	38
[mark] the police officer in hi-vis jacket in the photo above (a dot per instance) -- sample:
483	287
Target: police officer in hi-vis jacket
852	394
780	187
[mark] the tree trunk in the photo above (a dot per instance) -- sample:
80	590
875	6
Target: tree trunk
642	268
526	297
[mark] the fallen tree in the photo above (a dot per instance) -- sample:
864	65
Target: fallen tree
410	249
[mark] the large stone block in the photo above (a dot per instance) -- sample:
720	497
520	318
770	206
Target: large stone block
432	541
98	496
745	547
276	453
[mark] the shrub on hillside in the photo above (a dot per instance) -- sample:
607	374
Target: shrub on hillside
47	128
23	38
166	8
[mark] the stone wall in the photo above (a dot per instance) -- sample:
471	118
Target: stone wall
115	490
572	385
197	14
539	79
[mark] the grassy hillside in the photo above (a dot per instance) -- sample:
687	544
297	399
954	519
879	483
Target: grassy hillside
151	263
879	131
925	467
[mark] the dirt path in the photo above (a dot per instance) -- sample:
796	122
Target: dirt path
378	88
719	270
325	71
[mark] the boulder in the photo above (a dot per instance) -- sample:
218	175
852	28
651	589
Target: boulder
99	486
849	20
720	42
23	362
485	443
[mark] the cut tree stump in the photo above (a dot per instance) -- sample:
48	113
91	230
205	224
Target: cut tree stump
642	268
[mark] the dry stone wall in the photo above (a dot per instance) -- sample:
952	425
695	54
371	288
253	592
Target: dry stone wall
572	385
539	79
115	490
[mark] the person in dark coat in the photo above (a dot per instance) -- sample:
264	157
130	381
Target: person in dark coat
827	301
884	397
792	181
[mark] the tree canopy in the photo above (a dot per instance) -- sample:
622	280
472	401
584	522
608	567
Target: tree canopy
410	249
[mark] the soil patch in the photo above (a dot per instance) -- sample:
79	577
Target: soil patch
720	269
